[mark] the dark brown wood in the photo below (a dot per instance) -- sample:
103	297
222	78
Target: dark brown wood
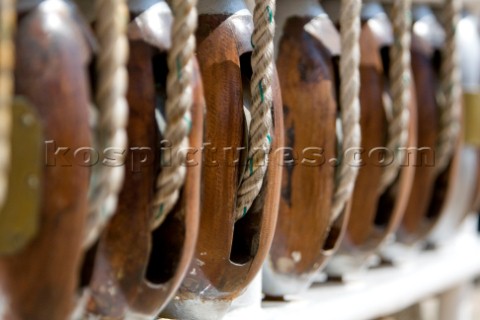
228	254
39	282
136	271
307	70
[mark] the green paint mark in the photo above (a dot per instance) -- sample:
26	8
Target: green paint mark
269	138
160	211
187	119
250	164
270	14
179	69
244	211
260	88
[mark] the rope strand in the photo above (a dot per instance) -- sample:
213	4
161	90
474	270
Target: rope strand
177	109
262	101
400	75
8	20
349	103
450	104
107	181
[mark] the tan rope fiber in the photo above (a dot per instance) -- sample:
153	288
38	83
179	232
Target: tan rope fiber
8	20
400	75
107	180
260	138
177	109
451	89
349	103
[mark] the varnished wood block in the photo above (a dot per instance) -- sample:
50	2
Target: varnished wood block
136	270
307	67
375	214
39	282
228	254
430	189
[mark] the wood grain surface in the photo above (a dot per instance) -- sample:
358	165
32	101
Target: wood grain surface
308	77
40	281
136	270
228	254
429	190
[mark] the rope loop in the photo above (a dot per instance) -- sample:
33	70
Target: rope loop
401	79
346	174
112	114
260	139
450	95
177	110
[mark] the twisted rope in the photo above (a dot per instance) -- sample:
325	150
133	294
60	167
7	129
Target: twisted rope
400	75
451	89
177	109
8	17
260	139
110	27
349	103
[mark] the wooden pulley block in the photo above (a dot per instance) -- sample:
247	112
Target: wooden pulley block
135	268
52	52
376	210
307	49
229	253
463	198
431	189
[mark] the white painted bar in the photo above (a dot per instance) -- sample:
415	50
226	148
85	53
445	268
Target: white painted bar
385	290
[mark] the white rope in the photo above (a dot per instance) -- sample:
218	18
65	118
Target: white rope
177	109
110	28
350	28
260	138
8	17
451	89
400	75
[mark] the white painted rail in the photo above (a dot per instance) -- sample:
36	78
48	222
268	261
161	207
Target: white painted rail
381	291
